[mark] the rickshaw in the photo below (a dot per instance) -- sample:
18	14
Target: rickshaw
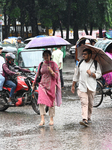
104	84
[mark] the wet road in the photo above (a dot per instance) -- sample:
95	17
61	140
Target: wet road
19	128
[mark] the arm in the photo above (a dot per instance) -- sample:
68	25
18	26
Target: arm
97	74
54	70
91	74
33	85
24	70
73	87
60	60
6	69
75	79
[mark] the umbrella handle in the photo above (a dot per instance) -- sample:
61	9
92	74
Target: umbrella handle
92	62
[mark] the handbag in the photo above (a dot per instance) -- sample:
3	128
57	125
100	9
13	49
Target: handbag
39	76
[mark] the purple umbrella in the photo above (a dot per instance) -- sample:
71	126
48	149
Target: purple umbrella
46	42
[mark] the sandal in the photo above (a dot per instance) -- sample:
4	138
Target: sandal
51	123
84	122
42	123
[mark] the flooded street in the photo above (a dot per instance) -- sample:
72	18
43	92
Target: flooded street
19	128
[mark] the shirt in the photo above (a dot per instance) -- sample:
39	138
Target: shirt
86	81
2	61
57	57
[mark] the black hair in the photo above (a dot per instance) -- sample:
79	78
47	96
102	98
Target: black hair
59	46
91	41
88	51
82	42
47	52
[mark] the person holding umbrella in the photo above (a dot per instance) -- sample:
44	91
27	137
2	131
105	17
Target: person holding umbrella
86	75
49	91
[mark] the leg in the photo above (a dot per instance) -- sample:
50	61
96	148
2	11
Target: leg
90	103
51	114
42	113
12	85
84	103
61	78
2	79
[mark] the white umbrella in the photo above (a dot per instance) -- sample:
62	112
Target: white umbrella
97	54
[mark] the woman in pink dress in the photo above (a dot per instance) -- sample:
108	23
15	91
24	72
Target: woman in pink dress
49	91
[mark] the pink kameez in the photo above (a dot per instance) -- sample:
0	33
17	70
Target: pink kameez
108	76
49	87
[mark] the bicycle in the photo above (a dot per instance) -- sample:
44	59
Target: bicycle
101	90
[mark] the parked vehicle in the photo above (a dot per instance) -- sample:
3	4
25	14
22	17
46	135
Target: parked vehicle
72	51
25	58
29	58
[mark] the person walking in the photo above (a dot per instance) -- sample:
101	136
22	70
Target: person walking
2	61
57	57
49	91
86	76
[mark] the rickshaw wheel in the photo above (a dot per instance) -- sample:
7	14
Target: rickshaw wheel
98	98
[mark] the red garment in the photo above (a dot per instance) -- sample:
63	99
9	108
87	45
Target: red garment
49	86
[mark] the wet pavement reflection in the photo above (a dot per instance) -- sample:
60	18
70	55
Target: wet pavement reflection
19	128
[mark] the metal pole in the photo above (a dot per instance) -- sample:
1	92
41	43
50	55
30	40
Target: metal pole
0	23
1	30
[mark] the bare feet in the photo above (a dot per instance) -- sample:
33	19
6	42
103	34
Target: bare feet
51	123
42	123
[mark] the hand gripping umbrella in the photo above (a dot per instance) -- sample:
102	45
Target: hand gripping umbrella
97	54
46	42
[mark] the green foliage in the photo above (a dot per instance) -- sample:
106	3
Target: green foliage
53	12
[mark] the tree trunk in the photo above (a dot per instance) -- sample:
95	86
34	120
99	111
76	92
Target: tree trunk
76	36
85	28
15	29
100	32
91	28
54	28
5	27
26	31
68	18
61	29
8	27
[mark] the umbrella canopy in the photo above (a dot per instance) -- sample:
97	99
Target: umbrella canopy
46	42
97	54
83	38
104	44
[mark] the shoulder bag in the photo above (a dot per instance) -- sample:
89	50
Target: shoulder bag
39	75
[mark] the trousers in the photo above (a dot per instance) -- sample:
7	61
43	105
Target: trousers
51	110
12	85
61	78
86	103
2	80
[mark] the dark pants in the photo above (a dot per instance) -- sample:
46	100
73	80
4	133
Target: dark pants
61	78
12	85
